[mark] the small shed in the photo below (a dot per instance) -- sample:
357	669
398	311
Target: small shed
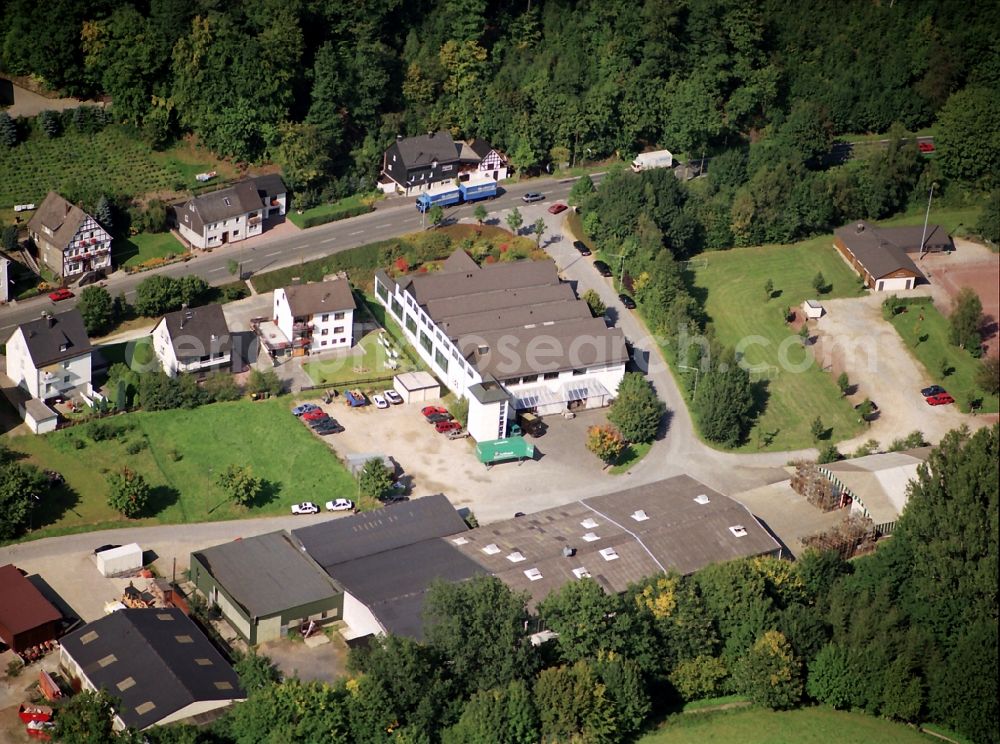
812	309
39	417
356	463
26	617
416	387
118	561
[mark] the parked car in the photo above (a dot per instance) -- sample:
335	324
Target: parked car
380	402
60	294
443	427
339	505
355	398
459	433
304	408
557	208
941	399
431	410
932	390
315	414
105	547
627	301
581	247
437	418
926	146
393	397
532	196
306	507
319	421
328	427
602	268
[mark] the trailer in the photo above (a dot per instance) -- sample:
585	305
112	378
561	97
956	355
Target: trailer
500	450
119	561
649	160
475	190
443	195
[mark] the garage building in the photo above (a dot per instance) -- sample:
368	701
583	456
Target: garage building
881	255
265	585
26	617
416	387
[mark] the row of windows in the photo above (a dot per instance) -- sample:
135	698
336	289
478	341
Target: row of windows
424	337
336	316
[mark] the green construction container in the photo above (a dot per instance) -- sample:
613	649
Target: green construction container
498	450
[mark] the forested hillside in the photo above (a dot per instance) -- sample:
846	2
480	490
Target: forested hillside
323	86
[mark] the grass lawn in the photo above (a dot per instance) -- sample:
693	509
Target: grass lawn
140	248
928	340
732	283
803	726
110	160
632	454
136	354
186	451
323	209
369	364
956	220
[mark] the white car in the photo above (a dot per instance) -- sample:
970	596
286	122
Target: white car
393	397
306	507
379	401
339	505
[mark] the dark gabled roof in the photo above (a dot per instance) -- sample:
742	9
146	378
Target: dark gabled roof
883	251
215	206
423	150
267	574
270	185
482	148
341	540
55	338
319	297
156	661
198	331
61	217
23	606
393	583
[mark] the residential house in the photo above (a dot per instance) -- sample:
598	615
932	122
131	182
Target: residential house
194	340
315	317
265	586
231	214
69	241
483	330
881	255
4	279
50	357
157	664
414	164
26	617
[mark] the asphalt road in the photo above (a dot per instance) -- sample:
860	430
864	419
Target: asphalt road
393	217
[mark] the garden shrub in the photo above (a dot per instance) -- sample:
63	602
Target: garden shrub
312	220
136	446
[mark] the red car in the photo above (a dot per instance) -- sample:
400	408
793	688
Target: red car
941	399
60	294
926	146
431	410
557	208
443	427
319	413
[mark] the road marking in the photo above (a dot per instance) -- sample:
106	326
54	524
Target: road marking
216	271
275	253
387	224
356	232
328	240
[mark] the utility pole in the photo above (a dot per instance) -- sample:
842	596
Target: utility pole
927	216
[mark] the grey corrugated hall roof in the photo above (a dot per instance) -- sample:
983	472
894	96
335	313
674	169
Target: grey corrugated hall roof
341	540
267	573
155	661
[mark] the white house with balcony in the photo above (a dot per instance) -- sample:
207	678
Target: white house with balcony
193	341
316	317
50	357
69	241
231	214
510	328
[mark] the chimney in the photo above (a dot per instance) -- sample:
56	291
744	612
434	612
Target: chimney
184	315
568	552
861	227
399	138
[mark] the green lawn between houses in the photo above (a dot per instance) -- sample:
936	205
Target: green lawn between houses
927	339
186	451
732	283
299	220
816	725
140	248
370	364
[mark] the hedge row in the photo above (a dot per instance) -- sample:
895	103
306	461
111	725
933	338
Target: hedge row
311	220
360	263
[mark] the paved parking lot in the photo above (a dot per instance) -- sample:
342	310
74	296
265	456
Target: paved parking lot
563	469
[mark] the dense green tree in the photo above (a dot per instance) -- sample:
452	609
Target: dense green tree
769	674
514	220
574	705
988	375
965	321
581	191
831	677
988	224
624	684
266	382
506	715
594	302
723	402
240	484
375	480
128	492
807	131
700	677
21	486
302	155
435	215
88	718
8	130
292	711
8	238
636	410
97	308
606	442
967	142
478	626
256	671
156	295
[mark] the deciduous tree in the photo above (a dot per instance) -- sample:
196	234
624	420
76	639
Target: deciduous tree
240	484
128	492
636	411
514	220
606	442
97	309
966	320
375	480
769	674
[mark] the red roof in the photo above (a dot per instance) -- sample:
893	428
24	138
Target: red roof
23	607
